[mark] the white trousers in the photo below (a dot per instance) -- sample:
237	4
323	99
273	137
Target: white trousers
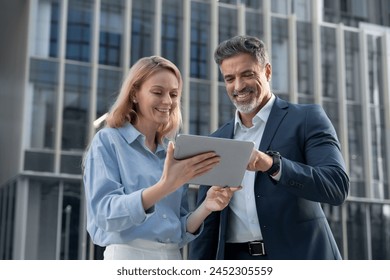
142	250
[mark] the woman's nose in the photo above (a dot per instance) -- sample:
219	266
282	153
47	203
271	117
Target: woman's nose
167	99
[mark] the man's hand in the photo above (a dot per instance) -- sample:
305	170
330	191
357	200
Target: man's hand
259	161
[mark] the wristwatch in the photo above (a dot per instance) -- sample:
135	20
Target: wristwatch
274	169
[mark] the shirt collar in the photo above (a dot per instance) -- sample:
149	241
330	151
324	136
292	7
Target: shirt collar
262	115
131	134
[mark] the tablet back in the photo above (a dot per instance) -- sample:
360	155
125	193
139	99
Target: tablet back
235	155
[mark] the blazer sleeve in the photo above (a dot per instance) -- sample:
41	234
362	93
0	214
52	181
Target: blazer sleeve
317	172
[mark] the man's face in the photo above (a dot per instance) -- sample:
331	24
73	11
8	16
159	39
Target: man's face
246	82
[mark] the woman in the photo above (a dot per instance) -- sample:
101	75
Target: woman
136	205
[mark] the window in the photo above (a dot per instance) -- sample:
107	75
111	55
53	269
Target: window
76	107
111	29
200	37
142	29
200	108
172	23
78	38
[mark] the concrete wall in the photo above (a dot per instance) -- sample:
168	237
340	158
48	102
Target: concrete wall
13	52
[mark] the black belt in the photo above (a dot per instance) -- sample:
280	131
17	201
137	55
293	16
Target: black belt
254	248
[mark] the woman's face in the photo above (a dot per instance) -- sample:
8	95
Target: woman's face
158	96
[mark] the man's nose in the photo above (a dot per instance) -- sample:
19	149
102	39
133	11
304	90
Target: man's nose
239	84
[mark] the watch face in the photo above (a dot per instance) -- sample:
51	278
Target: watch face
276	162
271	153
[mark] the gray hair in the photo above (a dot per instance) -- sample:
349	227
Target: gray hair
242	44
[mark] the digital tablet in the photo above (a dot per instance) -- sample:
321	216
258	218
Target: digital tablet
235	155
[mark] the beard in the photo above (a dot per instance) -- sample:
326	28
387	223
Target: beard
245	107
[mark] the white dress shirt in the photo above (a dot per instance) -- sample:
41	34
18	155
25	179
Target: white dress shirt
243	222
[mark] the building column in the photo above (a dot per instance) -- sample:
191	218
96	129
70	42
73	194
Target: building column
20	221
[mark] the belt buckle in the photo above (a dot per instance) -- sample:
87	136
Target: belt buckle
256	248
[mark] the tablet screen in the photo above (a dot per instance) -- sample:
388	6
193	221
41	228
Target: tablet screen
235	155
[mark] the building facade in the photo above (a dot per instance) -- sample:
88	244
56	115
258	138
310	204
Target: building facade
63	61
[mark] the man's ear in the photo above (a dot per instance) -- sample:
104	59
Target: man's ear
268	71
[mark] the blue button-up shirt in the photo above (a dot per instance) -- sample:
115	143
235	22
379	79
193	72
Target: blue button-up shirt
117	168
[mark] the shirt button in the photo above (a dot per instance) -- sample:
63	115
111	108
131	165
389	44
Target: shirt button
164	216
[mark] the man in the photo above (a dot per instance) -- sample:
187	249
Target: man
297	166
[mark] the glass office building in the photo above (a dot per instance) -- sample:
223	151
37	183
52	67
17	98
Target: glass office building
63	61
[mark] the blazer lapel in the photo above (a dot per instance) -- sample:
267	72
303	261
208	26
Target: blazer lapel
278	112
226	131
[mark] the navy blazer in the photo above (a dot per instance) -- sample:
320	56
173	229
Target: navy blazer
291	218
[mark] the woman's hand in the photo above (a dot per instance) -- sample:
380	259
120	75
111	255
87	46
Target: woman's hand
178	172
218	198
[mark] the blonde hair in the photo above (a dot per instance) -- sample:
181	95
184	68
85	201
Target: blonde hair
124	109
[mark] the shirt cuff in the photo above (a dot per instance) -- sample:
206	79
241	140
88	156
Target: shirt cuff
187	236
140	215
